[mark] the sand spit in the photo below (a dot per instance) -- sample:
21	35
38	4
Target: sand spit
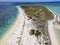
11	37
13	31
51	29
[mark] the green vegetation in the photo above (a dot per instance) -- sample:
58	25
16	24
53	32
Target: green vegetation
32	32
34	11
39	25
46	43
37	33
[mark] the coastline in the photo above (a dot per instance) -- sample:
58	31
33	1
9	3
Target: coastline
19	21
8	27
13	28
51	31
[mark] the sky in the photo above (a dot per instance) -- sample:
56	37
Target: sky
28	0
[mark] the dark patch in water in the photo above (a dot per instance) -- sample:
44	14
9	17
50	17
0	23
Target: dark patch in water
3	21
4	18
7	18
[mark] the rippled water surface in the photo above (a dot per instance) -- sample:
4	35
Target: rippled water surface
7	17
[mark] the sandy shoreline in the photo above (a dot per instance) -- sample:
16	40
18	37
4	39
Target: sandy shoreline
51	31
52	34
13	28
18	24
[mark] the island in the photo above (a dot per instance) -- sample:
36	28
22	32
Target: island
35	25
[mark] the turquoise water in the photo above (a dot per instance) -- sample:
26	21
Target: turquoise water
56	10
7	19
11	14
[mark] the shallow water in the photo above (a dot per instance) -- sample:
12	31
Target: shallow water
13	12
56	10
7	18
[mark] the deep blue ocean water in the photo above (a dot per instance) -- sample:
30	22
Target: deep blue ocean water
9	12
8	15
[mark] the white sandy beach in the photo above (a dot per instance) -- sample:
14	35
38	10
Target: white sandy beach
14	33
17	25
54	39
